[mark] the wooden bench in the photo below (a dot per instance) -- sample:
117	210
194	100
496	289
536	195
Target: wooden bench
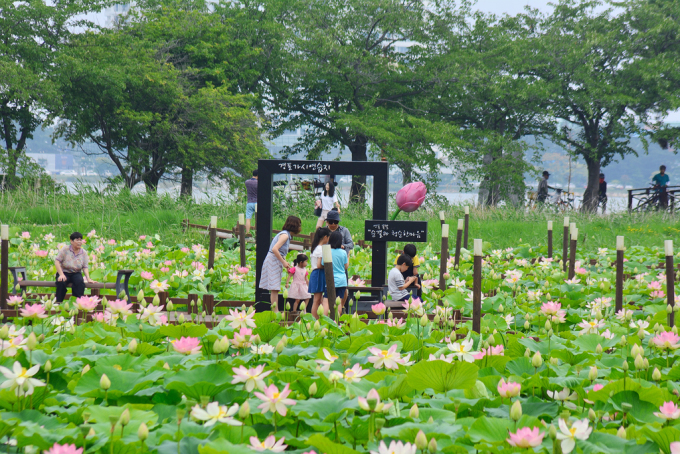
121	284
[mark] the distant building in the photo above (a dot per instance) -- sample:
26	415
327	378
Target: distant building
114	12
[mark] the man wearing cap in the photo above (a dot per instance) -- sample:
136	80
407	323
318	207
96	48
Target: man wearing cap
543	187
333	222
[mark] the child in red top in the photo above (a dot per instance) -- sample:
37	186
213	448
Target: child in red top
298	289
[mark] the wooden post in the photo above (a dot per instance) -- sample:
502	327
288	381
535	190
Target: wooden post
4	266
208	303
163	298
192	305
670	280
444	256
565	243
330	281
477	287
630	200
459	236
572	252
242	237
467	225
550	239
619	274
212	231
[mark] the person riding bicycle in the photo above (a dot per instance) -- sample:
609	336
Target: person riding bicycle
543	188
660	181
602	197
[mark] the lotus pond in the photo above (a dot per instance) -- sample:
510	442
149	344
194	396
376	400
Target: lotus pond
555	368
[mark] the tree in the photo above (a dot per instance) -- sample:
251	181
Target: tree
351	58
31	34
600	87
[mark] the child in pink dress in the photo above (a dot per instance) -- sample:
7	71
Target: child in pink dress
298	289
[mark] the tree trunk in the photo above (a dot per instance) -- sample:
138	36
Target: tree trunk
151	181
406	172
187	184
357	193
591	195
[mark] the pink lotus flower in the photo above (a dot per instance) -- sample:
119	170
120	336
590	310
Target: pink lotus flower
378	309
187	345
354	374
242	338
197	265
668	411
87	303
275	401
657	294
165	269
410	197
120	307
185	249
269	444
388	358
675	447
146	252
654	285
25	235
597	387
373	396
112	242
396	323
142	237
168	263
510	389
241	319
667	340
526	438
550	308
147	275
14	300
580	271
33	311
243	270
251	378
41	253
92	234
149	244
491	351
64	449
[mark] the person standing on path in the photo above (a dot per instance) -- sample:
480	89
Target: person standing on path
660	181
71	263
543	188
602	196
251	205
333	223
327	200
275	262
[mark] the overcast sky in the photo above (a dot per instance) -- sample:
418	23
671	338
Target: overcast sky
511	6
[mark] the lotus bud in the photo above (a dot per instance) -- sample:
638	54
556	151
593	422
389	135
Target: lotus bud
312	389
592	375
548	326
626	407
669	308
180	412
527	325
156	300
414	412
527	353
170	306
85	370
132	346
48	366
180	319
424	320
255	339
625	366
674	330
516	411
621	433
656	375
287	306
635	350
645	362
140	296
125	417
432	446
592	415
280	346
554	361
217	349
104	382
500	308
675	309
32	342
143	432
4	332
119	348
166	366
421	440
430	420
317	326
623	341
323	332
537	360
598	349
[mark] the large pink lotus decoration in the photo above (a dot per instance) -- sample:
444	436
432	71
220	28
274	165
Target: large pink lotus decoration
410	197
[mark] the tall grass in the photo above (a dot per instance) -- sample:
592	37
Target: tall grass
124	215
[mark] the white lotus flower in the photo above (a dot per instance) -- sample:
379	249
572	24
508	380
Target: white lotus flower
19	379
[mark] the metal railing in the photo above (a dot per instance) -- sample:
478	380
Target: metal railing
648	198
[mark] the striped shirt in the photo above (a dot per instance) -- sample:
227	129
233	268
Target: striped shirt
72	262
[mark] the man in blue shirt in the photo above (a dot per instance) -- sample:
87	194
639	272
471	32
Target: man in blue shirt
660	181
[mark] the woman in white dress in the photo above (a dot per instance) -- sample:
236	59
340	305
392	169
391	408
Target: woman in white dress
327	200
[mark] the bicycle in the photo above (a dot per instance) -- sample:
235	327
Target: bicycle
653	200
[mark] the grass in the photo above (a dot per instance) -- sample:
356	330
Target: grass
124	215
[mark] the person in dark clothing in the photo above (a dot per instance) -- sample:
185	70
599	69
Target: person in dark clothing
251	205
602	197
543	188
411	251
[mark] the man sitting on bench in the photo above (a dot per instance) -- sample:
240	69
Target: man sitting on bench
71	263
395	281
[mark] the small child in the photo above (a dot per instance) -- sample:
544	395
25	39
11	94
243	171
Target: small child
340	264
411	251
298	289
396	283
